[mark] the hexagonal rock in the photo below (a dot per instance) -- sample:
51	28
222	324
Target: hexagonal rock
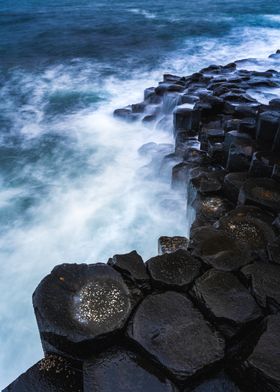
51	374
262	192
131	265
171	244
210	208
265	280
261	370
78	304
121	370
249	226
219	250
176	335
226	300
220	383
174	270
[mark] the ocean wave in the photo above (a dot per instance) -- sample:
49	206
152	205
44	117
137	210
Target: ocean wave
145	13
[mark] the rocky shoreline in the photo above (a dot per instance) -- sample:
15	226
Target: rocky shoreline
203	315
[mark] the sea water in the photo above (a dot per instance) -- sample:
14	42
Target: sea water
73	185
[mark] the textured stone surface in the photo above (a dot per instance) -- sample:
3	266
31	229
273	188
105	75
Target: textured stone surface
130	264
219	250
249	226
171	244
262	192
120	370
51	374
226	300
176	335
78	303
220	383
265	280
174	270
261	370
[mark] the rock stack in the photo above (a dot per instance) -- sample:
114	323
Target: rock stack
203	315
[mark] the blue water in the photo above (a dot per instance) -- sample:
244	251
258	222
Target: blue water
73	185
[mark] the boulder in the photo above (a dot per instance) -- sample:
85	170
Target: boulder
265	282
77	306
218	250
126	114
52	374
226	300
174	270
176	335
121	370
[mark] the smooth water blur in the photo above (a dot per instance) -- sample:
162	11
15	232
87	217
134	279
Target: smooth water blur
74	187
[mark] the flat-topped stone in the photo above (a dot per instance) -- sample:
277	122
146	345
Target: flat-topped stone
262	192
121	370
79	304
218	249
249	226
176	335
265	282
175	270
226	300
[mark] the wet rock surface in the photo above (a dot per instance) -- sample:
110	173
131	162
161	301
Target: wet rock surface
176	335
79	303
122	370
265	281
52	374
227	300
192	318
218	249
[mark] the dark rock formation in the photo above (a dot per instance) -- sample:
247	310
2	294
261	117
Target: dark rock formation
176	335
52	374
78	304
121	370
265	280
132	266
260	371
226	300
202	316
218	249
176	270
